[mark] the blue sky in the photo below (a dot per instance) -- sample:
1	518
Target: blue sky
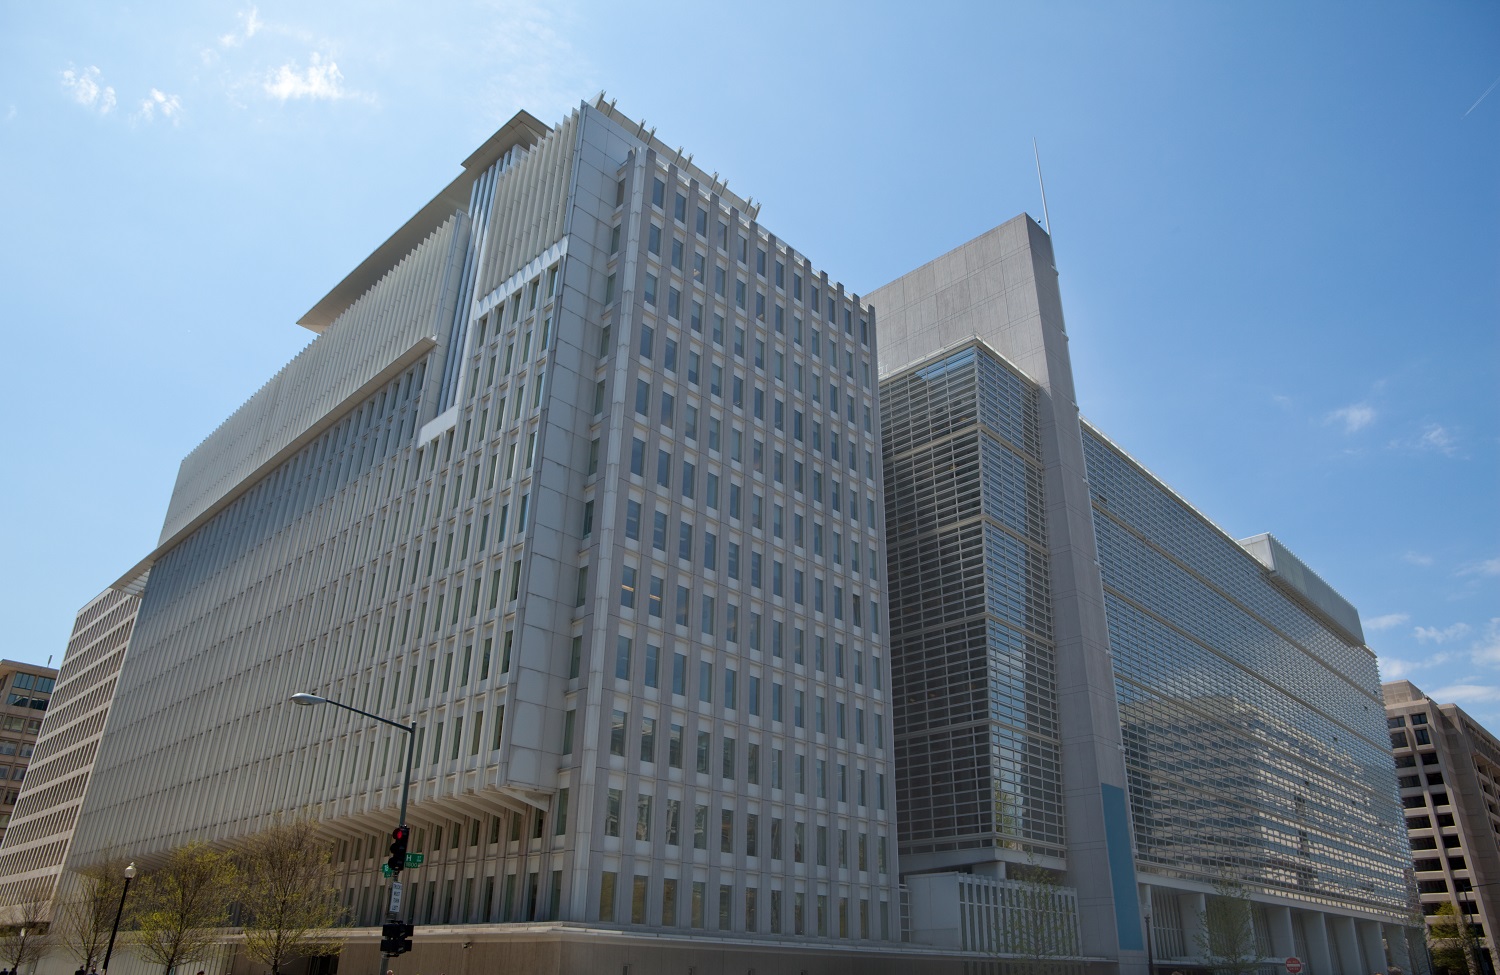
1277	225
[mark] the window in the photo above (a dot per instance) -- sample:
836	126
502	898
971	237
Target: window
627	587
617	733
705	746
622	658
648	740
611	819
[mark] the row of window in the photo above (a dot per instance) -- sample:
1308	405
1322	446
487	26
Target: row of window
741	506
650	746
825	660
778	275
777	842
822	600
667	909
31	682
810	436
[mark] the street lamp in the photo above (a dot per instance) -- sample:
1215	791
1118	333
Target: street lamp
129	876
305	699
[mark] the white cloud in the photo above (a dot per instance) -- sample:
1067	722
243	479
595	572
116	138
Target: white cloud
1487	567
1392	668
1387	621
321	80
536	66
1466	693
86	90
1436	437
1354	417
1486	649
1431	634
1417	558
251	25
170	106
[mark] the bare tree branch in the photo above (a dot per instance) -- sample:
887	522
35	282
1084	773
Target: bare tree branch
181	903
289	896
1227	937
27	939
87	913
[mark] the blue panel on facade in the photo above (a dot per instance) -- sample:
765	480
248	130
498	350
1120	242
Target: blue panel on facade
1122	869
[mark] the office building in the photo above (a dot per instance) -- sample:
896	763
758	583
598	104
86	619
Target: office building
28	692
1090	677
67	740
582	476
586	474
1448	771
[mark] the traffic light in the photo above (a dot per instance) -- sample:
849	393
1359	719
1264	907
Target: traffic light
395	936
399	836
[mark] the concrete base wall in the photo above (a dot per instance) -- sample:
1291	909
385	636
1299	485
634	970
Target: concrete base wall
545	949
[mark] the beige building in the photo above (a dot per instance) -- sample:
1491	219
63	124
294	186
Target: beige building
581	476
1448	771
27	691
43	811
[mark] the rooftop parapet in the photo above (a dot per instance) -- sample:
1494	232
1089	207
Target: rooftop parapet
1293	576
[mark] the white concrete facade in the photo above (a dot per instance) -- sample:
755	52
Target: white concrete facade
1213	707
582	476
41	828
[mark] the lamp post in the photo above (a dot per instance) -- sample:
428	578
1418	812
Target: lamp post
306	699
1150	950
129	876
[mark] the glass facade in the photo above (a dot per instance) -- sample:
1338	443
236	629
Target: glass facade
1253	731
616	550
971	625
1286	784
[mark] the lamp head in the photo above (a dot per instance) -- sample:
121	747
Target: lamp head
130	871
305	698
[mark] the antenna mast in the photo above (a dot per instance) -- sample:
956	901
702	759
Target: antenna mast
1046	220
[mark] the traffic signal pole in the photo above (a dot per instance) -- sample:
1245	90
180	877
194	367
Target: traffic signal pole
396	934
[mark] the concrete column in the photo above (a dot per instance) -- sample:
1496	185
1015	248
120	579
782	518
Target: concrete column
1397	951
1315	930
1279	920
1373	945
1341	929
1192	906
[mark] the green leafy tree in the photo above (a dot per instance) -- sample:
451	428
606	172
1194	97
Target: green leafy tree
288	895
1039	928
1226	935
26	938
1453	941
182	903
87	913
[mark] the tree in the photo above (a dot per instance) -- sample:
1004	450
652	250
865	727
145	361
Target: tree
182	902
288	895
1453	941
1039	924
26	938
87	915
1226	937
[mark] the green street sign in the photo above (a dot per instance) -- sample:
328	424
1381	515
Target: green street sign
412	860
